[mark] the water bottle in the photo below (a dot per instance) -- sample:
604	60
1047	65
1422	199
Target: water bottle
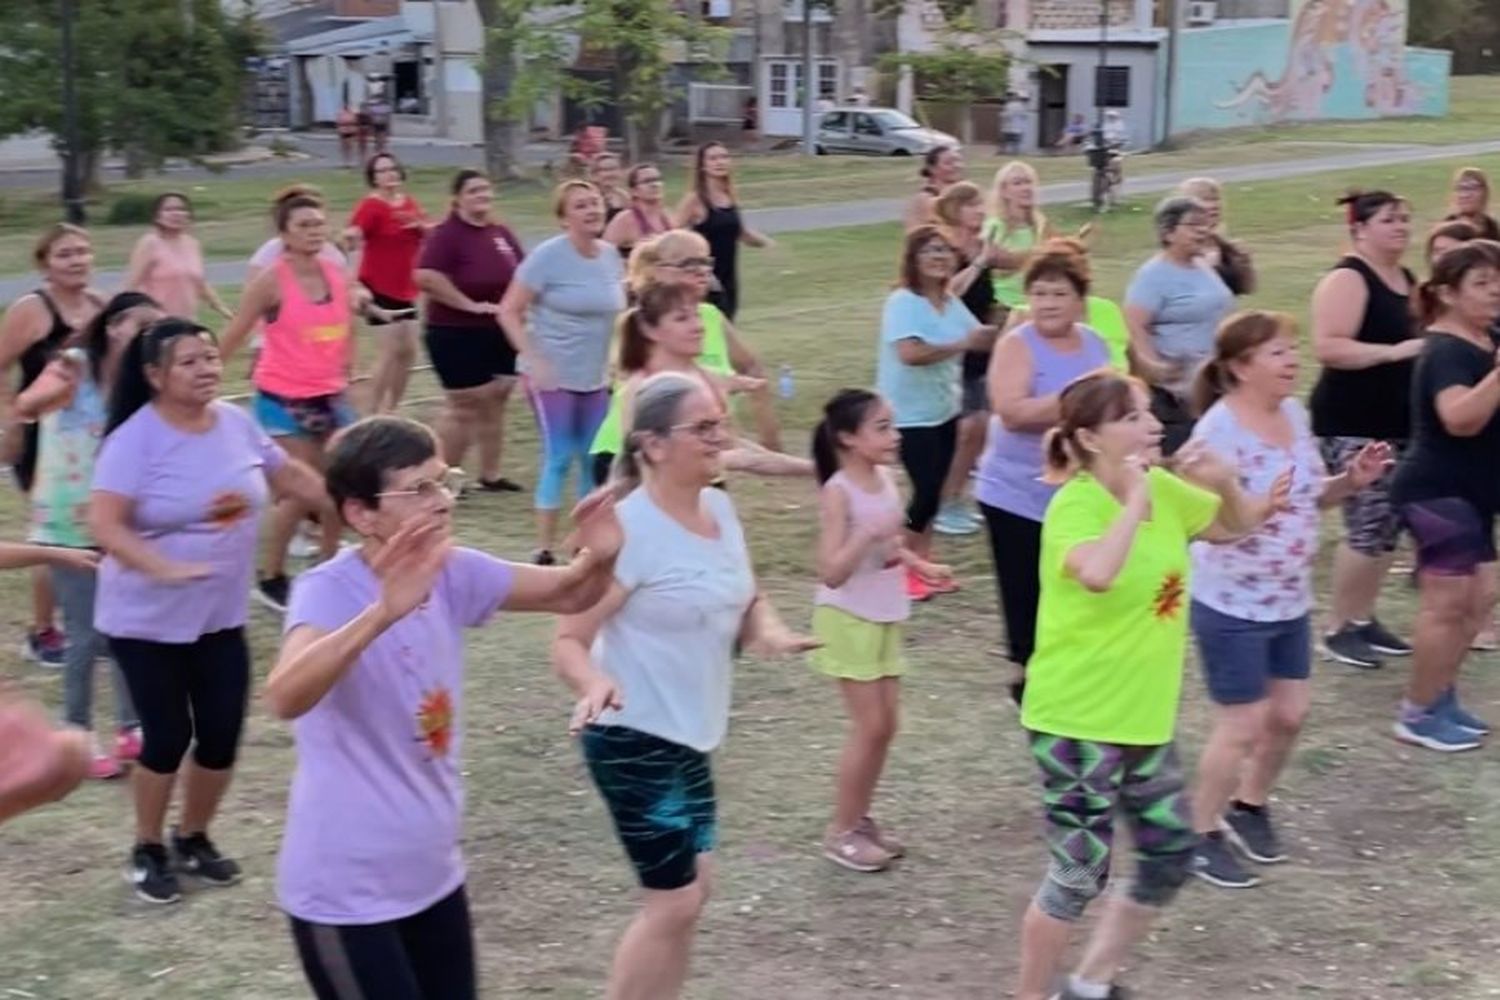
785	385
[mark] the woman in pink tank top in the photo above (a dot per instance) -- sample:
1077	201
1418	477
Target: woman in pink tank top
647	216
302	372
167	262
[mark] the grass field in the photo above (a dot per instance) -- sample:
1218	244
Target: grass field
232	211
1391	892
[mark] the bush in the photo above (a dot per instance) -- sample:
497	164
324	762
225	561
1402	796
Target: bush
132	208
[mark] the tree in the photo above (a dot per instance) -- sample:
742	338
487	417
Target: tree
965	67
151	83
1468	27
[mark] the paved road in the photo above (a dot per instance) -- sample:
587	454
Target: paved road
832	215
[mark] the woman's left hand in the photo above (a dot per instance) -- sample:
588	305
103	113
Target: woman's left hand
597	525
782	641
84	560
1369	464
1197	462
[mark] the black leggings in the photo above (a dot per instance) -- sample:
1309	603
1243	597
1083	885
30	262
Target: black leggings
1016	548
426	956
188	693
926	453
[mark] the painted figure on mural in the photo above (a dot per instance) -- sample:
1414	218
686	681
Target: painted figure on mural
1309	68
1377	41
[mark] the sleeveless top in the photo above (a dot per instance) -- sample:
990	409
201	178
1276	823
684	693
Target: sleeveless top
980	300
1009	288
68	440
31	362
172	280
307	345
1370	402
876	590
644	228
714	358
1010	470
721	227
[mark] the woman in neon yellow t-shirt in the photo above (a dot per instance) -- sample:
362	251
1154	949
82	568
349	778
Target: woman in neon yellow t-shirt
1103	685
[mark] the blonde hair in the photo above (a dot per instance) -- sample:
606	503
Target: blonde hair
1477	176
673	244
1038	221
55	234
560	196
1202	189
952	200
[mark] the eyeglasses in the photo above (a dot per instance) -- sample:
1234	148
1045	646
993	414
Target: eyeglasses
936	250
710	429
690	264
445	487
647	180
1470	186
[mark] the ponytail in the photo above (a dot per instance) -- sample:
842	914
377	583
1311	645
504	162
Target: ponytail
1209	385
843	414
1448	271
825	451
1059	458
1238	337
1429	303
652	306
1086	403
635	349
96	336
132	390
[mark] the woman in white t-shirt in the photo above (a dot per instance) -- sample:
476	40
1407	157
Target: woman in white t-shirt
1252	597
651	666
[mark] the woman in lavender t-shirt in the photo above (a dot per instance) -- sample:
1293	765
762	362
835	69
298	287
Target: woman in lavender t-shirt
179	484
371	668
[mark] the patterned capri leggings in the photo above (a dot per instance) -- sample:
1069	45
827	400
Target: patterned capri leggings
1084	784
566	422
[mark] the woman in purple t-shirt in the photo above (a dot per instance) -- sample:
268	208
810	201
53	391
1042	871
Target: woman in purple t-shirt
371	670
179	485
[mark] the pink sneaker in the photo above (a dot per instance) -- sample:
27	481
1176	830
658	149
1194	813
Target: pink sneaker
103	767
855	851
128	744
916	588
868	828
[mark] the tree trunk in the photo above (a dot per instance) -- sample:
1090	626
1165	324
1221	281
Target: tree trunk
503	138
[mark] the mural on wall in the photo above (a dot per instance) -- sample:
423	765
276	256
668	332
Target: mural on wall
1330	59
1370	35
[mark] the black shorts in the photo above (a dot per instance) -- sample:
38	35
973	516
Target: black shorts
390	304
467	357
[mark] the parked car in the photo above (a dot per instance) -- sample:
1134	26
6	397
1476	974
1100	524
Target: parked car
876	132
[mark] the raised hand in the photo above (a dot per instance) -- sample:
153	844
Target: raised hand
1279	497
597	526
744	383
408	565
1369	464
601	693
1197	462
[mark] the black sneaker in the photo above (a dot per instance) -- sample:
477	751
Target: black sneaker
501	485
150	873
1348	645
1216	864
273	592
197	856
1381	639
1254	835
543	557
1115	993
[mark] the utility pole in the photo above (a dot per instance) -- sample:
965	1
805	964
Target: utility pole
1100	89
72	193
439	71
809	87
1169	107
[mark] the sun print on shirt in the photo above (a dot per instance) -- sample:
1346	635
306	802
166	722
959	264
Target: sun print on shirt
228	508
1168	602
435	721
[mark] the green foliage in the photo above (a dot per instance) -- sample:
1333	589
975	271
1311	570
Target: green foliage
956	71
148	84
131	208
1447	23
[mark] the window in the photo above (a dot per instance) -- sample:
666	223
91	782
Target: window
716	8
865	125
780	85
828	81
836	121
1112	87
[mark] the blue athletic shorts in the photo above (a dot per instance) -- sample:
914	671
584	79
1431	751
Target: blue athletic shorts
315	417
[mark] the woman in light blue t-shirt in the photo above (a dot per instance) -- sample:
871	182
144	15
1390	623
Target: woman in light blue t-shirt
924	333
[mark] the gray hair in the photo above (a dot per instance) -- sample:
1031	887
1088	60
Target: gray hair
658	403
1170	213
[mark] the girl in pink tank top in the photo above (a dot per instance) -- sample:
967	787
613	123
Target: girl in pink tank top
859	607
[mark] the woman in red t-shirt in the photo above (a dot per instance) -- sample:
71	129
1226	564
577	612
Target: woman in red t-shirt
389	225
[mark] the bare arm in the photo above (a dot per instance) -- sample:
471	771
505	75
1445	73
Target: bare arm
1097	564
917	352
440	288
754	237
561	590
840	547
1465	411
261	296
753	457
313	660
302	482
1338	310
763	633
142	259
1009	380
575	637
1138	320
622	230
690	211
514	308
109	520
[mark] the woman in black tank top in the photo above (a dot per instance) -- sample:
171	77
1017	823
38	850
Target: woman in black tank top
1367	341
710	209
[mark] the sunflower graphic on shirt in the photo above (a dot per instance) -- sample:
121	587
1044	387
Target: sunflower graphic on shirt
228	508
1168	602
435	721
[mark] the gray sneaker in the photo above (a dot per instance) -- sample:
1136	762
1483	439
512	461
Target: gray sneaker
1254	835
1348	645
1214	862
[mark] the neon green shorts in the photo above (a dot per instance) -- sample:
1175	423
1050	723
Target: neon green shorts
855	649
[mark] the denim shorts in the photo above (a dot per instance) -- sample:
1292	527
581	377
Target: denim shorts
1240	658
660	795
316	417
1452	536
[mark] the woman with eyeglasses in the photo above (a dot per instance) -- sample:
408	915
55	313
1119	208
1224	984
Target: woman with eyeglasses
179	486
559	314
1470	202
713	211
924	333
371	674
301	375
387	228
651	666
647	215
167	262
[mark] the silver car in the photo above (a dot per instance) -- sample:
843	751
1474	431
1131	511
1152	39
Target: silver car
876	132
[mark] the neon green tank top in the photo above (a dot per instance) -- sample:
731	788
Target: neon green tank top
713	358
1008	287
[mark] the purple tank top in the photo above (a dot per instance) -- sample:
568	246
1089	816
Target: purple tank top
1010	471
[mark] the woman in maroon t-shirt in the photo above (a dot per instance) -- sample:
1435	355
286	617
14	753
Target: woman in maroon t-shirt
389	225
466	266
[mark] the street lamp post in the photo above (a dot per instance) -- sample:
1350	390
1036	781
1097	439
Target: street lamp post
72	192
1099	152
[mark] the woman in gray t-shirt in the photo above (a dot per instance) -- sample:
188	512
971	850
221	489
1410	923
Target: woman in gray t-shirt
559	313
1173	307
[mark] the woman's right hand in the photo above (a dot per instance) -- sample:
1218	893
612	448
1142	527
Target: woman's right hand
408	565
538	371
1406	350
52	388
484	308
176	572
